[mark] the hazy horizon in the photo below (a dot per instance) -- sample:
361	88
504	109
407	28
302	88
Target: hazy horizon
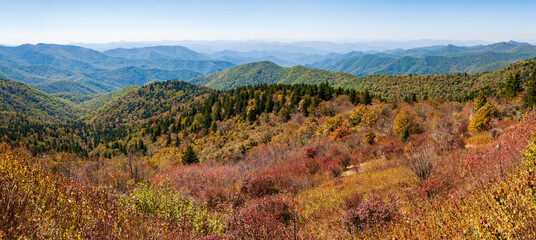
97	22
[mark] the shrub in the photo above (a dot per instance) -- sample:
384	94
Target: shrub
352	201
368	214
258	186
369	137
312	166
265	219
311	152
163	202
344	161
339	133
335	170
391	151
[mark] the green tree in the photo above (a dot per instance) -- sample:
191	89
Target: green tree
530	94
367	98
513	85
414	97
425	97
405	134
189	156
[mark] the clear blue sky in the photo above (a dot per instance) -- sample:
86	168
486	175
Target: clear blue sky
100	21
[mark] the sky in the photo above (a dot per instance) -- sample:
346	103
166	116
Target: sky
103	21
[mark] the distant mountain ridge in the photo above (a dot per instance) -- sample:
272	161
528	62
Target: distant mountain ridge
57	68
431	60
158	52
54	68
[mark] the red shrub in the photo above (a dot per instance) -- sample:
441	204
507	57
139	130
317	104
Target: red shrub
311	152
312	166
258	186
352	201
392	151
335	170
367	214
266	219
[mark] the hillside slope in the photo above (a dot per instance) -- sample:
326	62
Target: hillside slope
147	101
393	86
22	99
269	73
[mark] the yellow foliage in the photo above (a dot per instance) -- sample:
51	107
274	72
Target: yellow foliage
166	157
482	118
405	120
330	124
356	114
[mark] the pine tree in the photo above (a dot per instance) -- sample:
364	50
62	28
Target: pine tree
177	141
405	134
414	97
425	97
189	156
513	85
530	93
367	98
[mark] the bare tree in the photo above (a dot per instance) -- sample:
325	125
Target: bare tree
422	161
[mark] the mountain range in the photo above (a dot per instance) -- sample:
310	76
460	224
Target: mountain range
23	99
65	70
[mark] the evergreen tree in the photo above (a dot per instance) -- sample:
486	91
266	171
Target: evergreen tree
177	141
425	97
405	134
513	85
189	156
367	98
414	97
530	93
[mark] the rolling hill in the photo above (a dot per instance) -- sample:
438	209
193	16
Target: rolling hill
393	86
269	73
20	99
100	101
147	101
136	76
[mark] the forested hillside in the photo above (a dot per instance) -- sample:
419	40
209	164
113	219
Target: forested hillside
391	86
268	73
17	98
